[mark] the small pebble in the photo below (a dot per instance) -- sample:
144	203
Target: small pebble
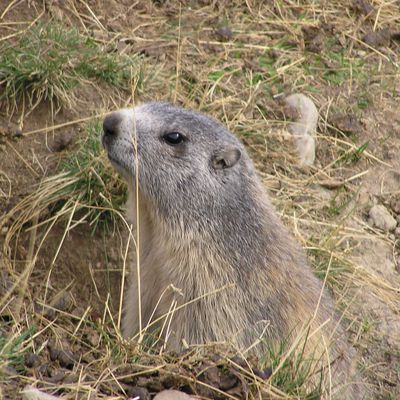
263	374
32	393
153	385
93	338
8	370
381	218
228	380
53	352
31	360
71	378
63	301
391	154
224	33
239	361
377	38
57	377
139	392
18	132
362	7
397	266
61	142
66	359
395	205
45	370
173	395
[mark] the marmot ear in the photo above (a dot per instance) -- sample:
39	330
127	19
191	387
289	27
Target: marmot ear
225	158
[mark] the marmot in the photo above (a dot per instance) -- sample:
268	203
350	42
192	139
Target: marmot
211	246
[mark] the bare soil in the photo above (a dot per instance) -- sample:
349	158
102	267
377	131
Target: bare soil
326	208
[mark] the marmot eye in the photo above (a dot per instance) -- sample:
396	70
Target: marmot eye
173	138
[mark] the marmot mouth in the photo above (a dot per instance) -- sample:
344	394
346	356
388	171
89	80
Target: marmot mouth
107	147
119	167
114	161
106	141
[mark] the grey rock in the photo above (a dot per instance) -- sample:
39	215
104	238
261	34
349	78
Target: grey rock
381	218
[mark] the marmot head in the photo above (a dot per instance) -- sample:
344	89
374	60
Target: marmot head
183	159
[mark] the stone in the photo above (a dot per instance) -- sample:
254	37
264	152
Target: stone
381	218
173	395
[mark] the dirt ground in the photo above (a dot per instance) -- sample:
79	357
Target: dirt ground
190	55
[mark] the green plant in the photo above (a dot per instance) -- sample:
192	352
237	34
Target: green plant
339	202
86	187
293	372
12	349
352	156
363	104
366	324
48	61
335	67
324	262
94	183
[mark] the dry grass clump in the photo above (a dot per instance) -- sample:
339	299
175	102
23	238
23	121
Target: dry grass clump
48	61
78	355
230	59
85	188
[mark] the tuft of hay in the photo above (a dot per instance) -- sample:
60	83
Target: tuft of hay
231	60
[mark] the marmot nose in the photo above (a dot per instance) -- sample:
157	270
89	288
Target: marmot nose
111	123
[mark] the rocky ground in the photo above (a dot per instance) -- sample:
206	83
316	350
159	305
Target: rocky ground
60	282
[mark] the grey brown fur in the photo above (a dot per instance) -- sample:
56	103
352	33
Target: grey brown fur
207	223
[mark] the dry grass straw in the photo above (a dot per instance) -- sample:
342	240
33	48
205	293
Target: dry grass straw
227	83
